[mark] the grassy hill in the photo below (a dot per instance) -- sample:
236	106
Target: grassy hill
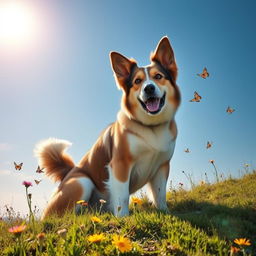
203	221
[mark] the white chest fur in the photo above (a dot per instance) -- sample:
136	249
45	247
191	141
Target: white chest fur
150	150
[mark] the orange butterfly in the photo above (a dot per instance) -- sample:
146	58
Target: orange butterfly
37	181
18	166
39	170
196	98
209	144
230	110
187	150
204	74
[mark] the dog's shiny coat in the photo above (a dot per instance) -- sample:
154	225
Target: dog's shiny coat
133	151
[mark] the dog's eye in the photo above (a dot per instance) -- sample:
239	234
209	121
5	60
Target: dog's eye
137	81
158	76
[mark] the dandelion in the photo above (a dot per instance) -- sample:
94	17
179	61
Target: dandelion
95	238
17	230
123	244
95	219
234	250
102	201
242	241
246	168
202	182
27	184
62	232
136	200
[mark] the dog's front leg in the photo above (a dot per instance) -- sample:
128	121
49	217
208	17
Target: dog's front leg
158	186
118	185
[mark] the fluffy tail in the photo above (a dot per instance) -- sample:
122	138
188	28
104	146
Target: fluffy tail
54	160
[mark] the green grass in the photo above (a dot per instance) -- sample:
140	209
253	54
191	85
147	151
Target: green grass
203	221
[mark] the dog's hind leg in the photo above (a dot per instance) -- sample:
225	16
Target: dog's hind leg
65	198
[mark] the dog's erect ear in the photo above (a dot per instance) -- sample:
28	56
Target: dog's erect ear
122	68
164	55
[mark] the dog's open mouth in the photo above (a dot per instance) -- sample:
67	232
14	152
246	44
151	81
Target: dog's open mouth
153	105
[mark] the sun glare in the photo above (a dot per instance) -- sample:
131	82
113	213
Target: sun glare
17	23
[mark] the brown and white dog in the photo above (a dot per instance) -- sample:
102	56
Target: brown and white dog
131	152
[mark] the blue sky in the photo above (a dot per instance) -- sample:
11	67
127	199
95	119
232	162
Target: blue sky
60	83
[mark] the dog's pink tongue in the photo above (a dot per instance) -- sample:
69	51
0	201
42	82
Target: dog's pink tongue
153	104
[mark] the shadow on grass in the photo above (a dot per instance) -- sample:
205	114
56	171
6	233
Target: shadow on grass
228	223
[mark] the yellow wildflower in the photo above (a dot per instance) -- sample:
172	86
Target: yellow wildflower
80	202
242	241
123	244
95	238
96	219
136	200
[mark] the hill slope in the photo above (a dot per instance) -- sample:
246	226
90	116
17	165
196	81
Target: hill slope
203	221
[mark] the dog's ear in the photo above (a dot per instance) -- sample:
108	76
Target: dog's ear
164	55
122	68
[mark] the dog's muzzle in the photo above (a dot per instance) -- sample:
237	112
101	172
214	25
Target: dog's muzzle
152	104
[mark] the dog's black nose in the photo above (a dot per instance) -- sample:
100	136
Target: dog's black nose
149	89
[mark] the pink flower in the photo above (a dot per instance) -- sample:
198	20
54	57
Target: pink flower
17	229
27	184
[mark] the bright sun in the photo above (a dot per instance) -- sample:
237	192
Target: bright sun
17	23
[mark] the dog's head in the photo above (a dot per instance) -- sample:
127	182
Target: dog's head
150	94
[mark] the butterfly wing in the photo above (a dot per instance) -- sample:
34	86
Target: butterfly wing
37	181
209	144
204	74
230	110
18	166
197	97
39	170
